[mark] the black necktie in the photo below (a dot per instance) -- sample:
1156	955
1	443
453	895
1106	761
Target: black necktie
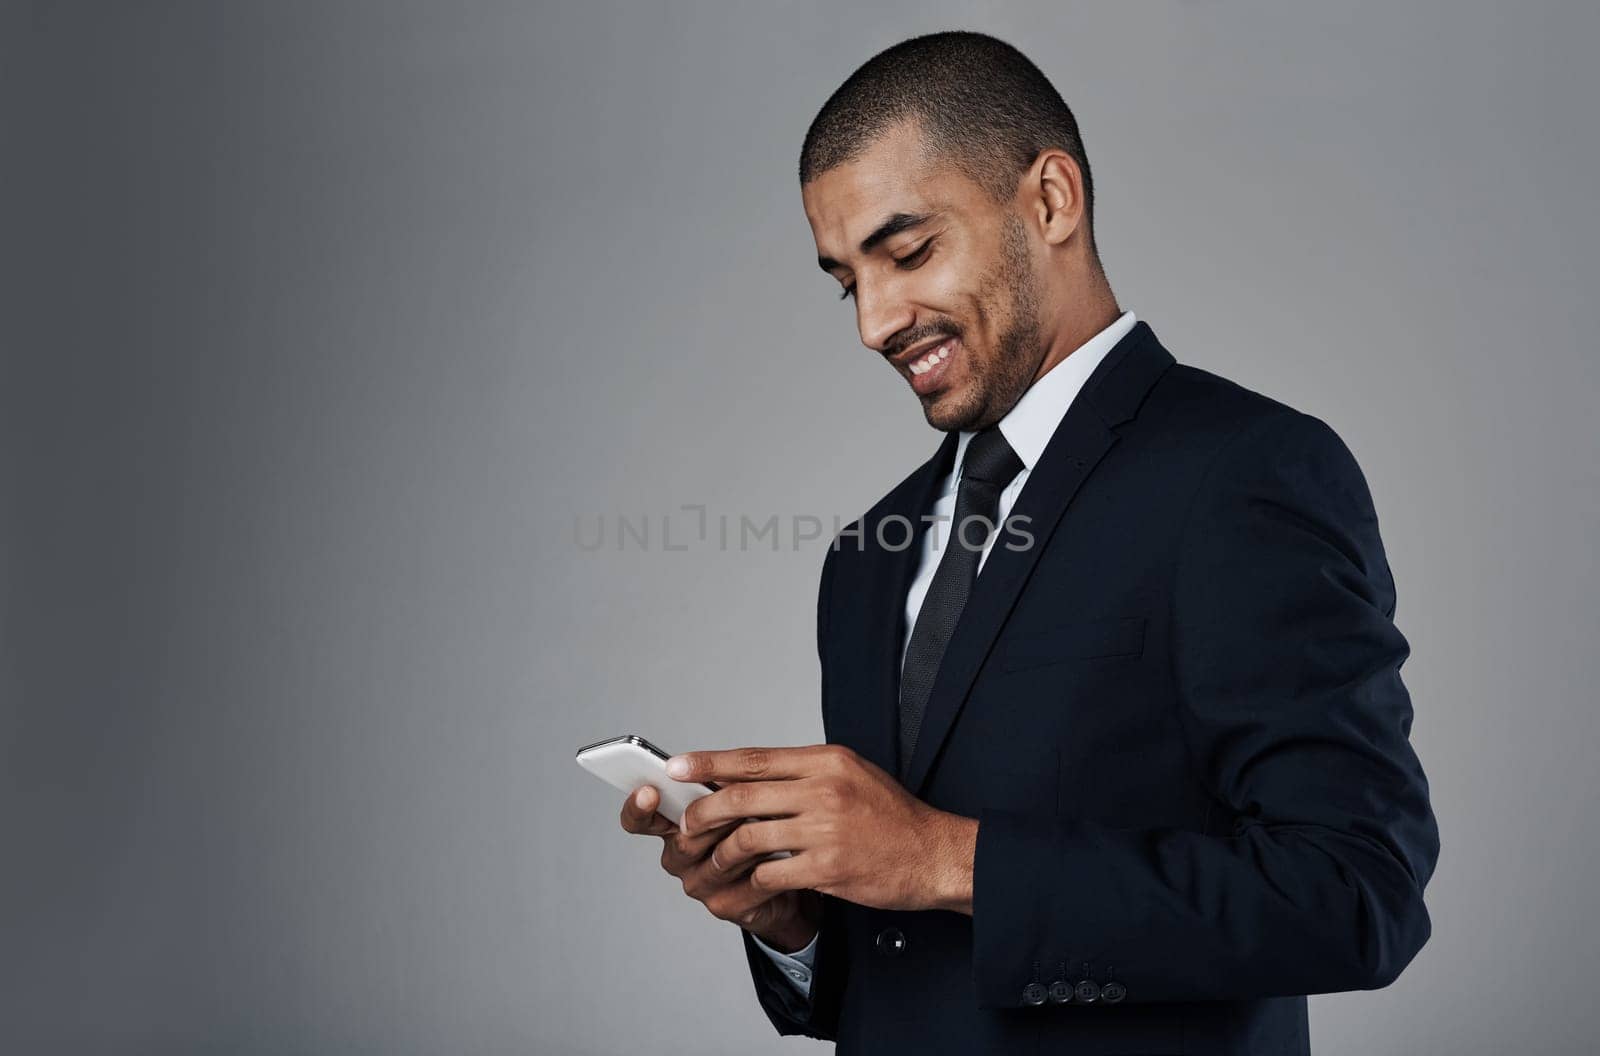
987	468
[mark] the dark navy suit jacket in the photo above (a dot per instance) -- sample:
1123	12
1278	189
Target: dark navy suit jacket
1179	720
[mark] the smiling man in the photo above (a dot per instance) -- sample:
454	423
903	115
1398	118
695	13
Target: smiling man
1117	751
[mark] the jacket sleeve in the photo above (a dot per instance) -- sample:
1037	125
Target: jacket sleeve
816	1015
1286	663
789	1010
796	967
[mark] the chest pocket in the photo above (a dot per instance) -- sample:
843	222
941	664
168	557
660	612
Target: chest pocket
1105	638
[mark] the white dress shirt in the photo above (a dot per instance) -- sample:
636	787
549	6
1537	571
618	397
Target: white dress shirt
1027	427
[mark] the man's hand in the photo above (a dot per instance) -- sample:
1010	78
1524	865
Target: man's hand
784	920
855	833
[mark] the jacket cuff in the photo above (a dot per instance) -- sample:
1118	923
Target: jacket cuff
797	966
1033	938
1008	917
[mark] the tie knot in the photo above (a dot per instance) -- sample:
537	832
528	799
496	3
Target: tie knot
990	459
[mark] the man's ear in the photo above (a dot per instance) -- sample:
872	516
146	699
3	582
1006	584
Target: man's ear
1055	183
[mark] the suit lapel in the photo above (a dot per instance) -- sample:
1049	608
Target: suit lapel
1110	396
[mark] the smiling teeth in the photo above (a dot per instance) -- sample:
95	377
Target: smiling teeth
926	363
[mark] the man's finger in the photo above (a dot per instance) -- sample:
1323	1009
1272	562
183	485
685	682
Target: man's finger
754	764
783	874
752	841
739	801
639	813
685	850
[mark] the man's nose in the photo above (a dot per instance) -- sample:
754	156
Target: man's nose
880	315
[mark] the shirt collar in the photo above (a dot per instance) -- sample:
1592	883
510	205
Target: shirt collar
1030	424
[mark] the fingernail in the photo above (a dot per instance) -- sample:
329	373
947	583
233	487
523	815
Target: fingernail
638	797
678	767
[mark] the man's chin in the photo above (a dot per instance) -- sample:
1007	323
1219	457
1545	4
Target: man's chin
952	410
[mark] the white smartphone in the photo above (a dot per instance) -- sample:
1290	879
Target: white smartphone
629	761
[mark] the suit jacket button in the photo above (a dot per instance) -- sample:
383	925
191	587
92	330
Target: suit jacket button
1088	991
1061	991
1034	993
1111	993
891	942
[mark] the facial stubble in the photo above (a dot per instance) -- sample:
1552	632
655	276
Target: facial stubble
998	385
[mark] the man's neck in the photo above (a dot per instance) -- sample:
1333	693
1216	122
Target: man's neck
1089	318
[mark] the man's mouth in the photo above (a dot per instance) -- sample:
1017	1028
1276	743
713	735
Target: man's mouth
928	370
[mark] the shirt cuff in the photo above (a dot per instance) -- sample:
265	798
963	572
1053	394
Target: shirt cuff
796	967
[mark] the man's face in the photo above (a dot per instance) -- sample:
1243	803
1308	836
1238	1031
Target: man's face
942	278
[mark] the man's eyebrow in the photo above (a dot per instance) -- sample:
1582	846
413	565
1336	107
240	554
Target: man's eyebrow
888	229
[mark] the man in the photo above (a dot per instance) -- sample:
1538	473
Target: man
1130	773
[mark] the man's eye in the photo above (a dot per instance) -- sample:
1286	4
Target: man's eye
916	256
911	260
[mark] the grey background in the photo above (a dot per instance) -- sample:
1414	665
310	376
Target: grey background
323	323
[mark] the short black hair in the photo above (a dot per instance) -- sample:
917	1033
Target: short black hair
979	102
